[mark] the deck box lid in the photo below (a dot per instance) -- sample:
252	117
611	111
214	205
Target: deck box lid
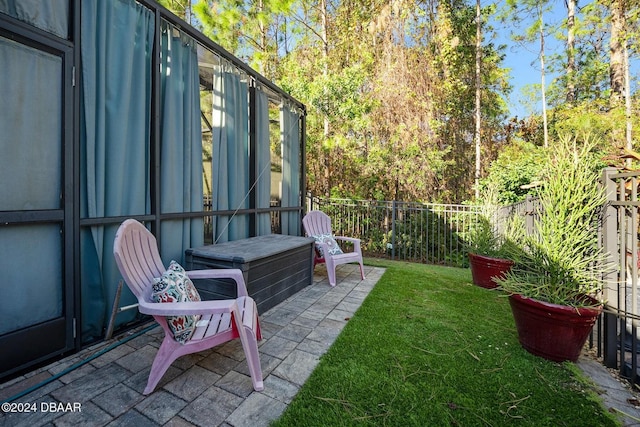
250	249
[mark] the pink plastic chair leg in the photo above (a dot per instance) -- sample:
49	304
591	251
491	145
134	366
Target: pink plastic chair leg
249	340
253	361
165	357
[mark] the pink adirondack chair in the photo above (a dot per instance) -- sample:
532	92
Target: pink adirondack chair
317	224
136	253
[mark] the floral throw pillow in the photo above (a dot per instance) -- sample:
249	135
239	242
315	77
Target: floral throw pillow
175	286
334	249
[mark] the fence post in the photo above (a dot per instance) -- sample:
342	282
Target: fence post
529	215
610	290
393	229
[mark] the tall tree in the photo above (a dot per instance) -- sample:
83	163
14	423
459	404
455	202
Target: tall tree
617	49
247	28
398	97
543	86
583	66
478	139
571	50
532	12
619	66
324	33
181	8
313	18
627	105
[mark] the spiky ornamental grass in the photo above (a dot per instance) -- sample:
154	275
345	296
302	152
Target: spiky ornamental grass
561	261
428	348
484	238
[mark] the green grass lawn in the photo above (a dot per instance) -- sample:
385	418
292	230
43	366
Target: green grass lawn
428	348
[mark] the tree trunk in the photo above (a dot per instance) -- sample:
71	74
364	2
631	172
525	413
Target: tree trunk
325	73
478	87
616	49
571	46
543	89
263	39
627	103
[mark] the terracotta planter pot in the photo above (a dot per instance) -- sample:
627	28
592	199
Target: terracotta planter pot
555	332
485	269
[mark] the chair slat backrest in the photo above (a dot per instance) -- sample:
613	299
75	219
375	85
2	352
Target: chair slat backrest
317	223
137	257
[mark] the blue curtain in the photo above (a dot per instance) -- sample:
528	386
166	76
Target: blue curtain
290	134
49	15
263	162
230	163
30	128
116	46
181	143
30	179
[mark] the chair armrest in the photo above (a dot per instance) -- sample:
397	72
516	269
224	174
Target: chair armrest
187	308
347	239
356	242
222	273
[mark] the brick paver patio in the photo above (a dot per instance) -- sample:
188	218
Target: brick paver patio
211	388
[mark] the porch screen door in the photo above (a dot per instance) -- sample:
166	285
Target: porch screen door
36	303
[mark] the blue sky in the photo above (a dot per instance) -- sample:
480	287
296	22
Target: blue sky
524	61
525	70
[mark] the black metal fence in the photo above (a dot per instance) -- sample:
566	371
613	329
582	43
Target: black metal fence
620	336
436	234
418	232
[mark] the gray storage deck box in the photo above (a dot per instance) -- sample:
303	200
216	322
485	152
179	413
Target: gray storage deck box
274	267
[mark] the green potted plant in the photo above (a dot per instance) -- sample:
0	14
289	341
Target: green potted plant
486	248
556	280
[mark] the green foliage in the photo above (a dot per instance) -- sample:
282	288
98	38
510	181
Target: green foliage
246	28
221	22
523	12
518	164
561	260
594	119
341	97
428	348
361	220
178	7
590	78
390	88
483	239
389	119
